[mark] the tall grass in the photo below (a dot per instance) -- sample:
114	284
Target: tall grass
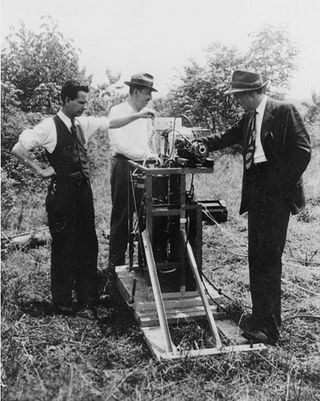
48	357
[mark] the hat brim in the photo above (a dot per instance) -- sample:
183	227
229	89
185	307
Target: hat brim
129	83
237	90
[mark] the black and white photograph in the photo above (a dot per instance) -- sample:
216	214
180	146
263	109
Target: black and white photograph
160	200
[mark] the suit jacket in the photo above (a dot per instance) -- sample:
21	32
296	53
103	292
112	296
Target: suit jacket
286	145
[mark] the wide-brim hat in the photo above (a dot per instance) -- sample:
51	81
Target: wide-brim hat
244	81
142	79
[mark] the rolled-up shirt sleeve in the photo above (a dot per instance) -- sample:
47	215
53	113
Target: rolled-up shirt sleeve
41	135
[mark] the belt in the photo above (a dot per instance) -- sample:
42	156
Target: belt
73	177
120	157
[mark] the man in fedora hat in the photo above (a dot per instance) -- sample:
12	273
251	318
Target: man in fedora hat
130	142
276	151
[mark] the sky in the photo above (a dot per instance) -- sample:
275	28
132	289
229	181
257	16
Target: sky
160	36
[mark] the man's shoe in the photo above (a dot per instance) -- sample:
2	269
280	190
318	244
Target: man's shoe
63	310
258	336
248	323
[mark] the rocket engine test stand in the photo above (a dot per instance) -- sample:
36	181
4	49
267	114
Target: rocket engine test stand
165	286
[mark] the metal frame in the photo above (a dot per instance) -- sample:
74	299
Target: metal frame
155	308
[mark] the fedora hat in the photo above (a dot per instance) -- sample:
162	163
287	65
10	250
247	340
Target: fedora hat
243	81
142	79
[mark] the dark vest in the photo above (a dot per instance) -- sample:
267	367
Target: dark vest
69	156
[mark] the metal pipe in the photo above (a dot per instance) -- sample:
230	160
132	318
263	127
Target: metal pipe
157	291
201	290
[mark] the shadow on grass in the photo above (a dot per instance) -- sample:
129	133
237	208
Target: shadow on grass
116	316
111	312
35	308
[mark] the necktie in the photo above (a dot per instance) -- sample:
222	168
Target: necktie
251	141
81	148
74	129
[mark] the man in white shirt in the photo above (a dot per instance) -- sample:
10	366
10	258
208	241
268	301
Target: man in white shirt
130	142
69	201
276	151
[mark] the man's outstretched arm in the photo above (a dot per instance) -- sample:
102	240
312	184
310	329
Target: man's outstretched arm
121	121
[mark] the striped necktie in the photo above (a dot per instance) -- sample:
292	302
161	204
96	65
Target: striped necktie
81	148
251	141
73	130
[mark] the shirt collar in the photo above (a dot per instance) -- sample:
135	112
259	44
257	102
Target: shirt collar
65	119
262	105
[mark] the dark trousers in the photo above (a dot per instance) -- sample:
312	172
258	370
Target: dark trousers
70	210
268	218
119	232
122	209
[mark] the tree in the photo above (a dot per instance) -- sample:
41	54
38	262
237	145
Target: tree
34	66
9	99
201	90
272	53
106	95
38	63
313	110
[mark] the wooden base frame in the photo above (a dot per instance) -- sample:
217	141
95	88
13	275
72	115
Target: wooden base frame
179	308
170	242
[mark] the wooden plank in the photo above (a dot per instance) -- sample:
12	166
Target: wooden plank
146	316
154	339
125	283
232	331
171	170
171	304
182	354
155	343
157	291
196	243
202	291
186	311
180	295
176	317
144	292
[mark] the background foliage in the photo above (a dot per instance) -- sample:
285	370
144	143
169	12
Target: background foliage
200	93
35	65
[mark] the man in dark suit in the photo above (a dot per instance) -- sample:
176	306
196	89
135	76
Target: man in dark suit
276	151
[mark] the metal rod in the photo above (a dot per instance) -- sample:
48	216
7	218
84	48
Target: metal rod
131	198
157	291
133	291
201	290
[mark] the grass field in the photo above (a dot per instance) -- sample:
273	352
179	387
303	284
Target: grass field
48	357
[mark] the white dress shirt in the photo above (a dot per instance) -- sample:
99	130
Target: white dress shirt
133	140
45	133
259	156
